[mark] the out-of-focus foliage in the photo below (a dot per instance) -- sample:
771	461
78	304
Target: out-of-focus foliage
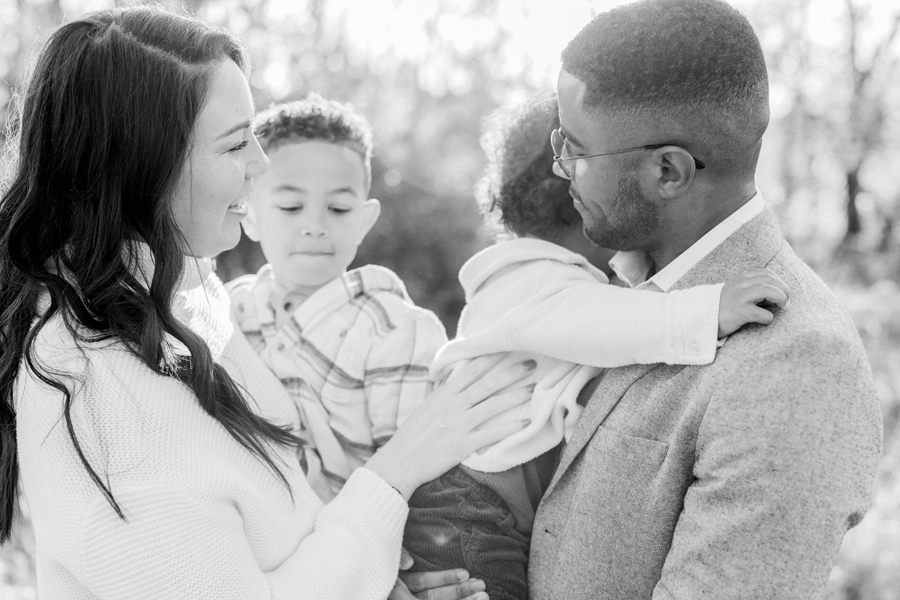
425	72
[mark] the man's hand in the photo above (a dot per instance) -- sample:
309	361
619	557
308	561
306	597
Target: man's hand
745	299
435	585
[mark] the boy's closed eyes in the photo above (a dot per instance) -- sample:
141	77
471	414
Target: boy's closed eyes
310	212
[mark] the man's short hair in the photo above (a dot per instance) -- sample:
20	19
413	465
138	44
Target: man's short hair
688	72
315	119
519	192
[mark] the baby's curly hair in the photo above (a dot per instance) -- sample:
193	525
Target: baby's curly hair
315	118
519	192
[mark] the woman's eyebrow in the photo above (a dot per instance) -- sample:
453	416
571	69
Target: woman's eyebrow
239	127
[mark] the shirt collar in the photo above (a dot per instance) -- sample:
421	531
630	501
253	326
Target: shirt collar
632	267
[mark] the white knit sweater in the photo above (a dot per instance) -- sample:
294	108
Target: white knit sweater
204	517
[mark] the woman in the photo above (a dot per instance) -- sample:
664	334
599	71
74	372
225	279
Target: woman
157	454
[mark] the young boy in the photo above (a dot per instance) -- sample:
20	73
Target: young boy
539	296
350	347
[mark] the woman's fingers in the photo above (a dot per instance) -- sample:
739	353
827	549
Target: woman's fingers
499	403
472	371
498	381
427	580
443	431
406	559
492	434
444	585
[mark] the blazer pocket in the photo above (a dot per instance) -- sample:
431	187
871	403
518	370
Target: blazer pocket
608	532
630	448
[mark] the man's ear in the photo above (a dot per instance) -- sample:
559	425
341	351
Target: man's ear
249	222
371	210
675	171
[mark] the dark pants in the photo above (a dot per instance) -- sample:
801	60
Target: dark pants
455	522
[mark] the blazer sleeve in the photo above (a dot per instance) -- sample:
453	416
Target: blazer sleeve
786	455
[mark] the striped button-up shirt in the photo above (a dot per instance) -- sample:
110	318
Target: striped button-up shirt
354	356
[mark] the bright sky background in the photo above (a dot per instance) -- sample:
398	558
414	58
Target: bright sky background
543	26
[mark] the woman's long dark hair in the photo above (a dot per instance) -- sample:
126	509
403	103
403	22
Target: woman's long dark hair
104	132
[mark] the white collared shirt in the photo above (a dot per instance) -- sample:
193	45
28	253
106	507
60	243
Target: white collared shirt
632	266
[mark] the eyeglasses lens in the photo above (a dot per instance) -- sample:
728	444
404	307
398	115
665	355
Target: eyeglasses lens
558	144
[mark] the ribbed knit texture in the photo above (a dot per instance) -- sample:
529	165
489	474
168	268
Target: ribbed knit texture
538	300
205	518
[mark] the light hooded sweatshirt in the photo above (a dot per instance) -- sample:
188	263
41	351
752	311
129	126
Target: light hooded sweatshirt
535	299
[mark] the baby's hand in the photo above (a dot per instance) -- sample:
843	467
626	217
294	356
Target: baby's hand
745	297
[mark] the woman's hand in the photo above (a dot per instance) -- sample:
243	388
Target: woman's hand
438	585
453	584
447	427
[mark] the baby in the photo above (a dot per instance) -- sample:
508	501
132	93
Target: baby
544	294
350	347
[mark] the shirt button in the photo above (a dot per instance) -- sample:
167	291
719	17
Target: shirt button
695	349
280	347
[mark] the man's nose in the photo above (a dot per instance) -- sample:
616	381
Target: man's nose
558	171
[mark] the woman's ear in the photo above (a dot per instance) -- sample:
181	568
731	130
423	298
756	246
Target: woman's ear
249	222
371	211
676	170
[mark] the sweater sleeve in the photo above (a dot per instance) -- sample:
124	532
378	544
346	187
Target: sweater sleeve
580	320
397	368
175	545
203	517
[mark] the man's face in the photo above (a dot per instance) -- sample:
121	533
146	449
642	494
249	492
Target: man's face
605	191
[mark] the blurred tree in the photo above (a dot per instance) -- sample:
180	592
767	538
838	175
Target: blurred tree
22	23
874	73
834	129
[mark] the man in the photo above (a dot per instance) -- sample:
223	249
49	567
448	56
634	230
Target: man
733	480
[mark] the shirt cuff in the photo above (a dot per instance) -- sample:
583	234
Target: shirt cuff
694	315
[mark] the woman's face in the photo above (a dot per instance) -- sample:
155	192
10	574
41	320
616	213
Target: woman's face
211	195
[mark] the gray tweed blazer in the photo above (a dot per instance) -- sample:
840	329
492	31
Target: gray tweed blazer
732	480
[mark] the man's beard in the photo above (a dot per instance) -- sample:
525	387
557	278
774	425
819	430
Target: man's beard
633	218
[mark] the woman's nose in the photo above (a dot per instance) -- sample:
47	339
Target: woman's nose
259	162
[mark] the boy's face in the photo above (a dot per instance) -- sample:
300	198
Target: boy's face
310	213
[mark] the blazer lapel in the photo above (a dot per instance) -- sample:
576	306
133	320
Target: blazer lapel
613	384
749	248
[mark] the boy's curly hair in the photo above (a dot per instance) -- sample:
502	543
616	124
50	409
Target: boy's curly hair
315	118
519	192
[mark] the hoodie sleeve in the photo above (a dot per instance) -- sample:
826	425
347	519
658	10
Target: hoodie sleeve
574	317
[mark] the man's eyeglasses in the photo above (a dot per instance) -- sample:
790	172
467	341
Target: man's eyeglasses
562	154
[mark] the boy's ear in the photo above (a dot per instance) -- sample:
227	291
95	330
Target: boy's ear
371	210
249	222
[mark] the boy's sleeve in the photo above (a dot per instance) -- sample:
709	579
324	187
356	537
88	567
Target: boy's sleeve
397	367
581	320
